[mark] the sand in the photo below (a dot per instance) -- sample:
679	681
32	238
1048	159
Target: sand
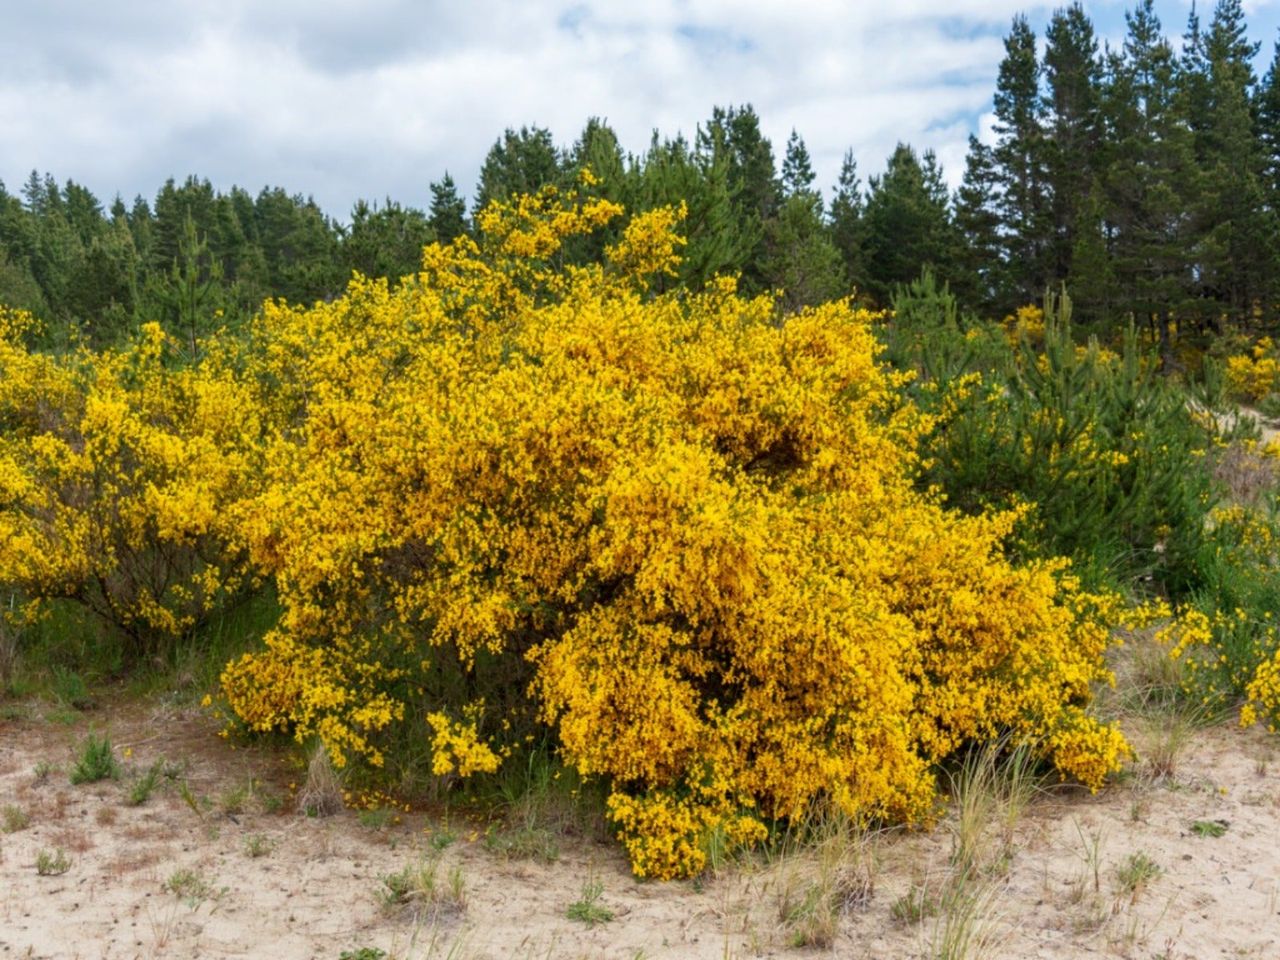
314	888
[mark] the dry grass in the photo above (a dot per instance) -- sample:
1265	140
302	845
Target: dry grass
14	818
1247	476
832	874
73	838
990	792
426	889
321	794
1151	704
1149	682
1163	741
122	866
8	654
968	925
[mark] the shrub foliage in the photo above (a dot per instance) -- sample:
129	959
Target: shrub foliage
119	473
679	532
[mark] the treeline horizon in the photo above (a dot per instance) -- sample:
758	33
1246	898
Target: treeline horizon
1144	179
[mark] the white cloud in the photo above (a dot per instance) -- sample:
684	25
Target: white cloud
344	99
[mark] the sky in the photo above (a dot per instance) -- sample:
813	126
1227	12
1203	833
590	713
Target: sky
378	98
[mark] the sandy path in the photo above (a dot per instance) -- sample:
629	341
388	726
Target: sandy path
315	893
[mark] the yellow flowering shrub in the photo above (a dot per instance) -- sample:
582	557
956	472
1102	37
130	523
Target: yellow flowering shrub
1228	641
119	472
1254	375
1026	325
677	531
1263	694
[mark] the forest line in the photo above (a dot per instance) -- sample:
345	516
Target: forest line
1146	179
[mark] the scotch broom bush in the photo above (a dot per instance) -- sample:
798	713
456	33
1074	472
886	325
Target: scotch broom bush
119	473
677	530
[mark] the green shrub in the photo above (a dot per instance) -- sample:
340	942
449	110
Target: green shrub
1104	451
95	762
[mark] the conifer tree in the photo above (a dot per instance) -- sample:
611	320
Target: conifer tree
1092	279
671	174
385	241
448	214
1149	178
1266	108
520	162
980	274
733	136
1020	163
800	258
1237	240
797	170
1072	72
846	223
598	151
908	224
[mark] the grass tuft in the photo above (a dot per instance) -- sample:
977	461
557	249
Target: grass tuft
13	818
1135	872
524	843
423	887
833	873
321	794
190	887
96	761
990	792
52	863
587	908
258	845
143	786
966	927
1209	828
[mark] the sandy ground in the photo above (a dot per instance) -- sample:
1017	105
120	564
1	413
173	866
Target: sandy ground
313	889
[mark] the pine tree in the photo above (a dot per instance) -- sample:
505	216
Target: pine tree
733	137
908	225
672	173
385	241
801	260
517	163
598	151
298	245
104	292
1267	111
190	296
1237	239
142	227
1020	163
18	286
53	249
846	223
797	170
1149	178
800	257
1192	79
980	273
448	214
1092	278
1073	74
